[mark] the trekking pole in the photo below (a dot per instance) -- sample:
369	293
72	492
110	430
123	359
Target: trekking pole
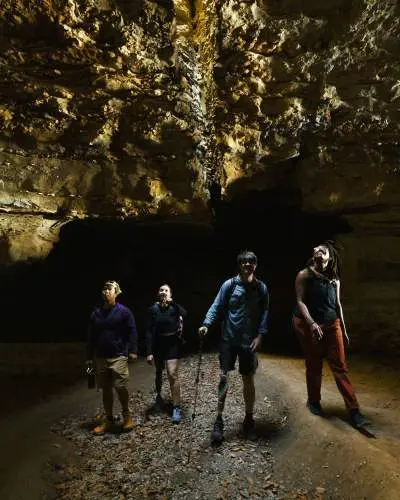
196	393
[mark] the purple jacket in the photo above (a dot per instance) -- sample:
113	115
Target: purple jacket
112	332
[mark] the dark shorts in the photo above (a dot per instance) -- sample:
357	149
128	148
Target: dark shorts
248	361
167	348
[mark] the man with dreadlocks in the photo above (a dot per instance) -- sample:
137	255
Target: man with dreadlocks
319	325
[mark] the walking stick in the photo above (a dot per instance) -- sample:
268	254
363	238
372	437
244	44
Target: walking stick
196	393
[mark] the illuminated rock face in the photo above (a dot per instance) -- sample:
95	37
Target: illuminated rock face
134	109
98	112
317	82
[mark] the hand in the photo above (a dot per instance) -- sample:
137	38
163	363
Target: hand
316	331
203	331
256	343
150	359
132	356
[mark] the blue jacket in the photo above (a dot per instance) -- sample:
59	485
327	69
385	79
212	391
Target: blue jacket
112	332
245	315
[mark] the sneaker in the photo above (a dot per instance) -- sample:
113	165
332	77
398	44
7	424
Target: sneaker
103	427
217	435
248	428
176	415
315	408
357	419
127	424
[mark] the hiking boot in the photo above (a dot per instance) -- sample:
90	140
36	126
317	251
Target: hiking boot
103	427
127	424
217	435
248	428
315	408
176	415
357	419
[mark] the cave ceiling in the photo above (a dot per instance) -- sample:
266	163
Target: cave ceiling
143	110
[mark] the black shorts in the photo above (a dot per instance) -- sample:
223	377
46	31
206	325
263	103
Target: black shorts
167	348
248	361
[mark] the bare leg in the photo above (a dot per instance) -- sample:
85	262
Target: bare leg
249	393
173	377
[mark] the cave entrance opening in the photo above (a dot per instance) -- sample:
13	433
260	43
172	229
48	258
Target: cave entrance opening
52	299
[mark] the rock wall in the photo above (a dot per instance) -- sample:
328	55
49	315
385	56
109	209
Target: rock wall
370	289
317	82
155	109
99	111
133	109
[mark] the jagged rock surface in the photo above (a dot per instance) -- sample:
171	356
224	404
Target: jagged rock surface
315	82
130	108
136	109
96	115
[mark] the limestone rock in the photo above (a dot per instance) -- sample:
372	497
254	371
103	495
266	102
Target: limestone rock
157	108
168	93
97	109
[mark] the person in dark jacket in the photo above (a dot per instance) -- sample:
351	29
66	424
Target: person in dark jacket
320	328
112	341
164	345
242	304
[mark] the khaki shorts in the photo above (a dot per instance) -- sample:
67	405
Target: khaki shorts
112	372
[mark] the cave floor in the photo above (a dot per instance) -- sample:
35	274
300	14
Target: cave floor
49	453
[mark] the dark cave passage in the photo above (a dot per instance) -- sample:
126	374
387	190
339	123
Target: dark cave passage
51	300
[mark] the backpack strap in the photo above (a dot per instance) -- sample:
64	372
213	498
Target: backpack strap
229	292
231	289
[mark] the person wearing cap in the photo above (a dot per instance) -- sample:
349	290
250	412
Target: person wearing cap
112	342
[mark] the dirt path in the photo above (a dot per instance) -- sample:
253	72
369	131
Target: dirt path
48	452
326	452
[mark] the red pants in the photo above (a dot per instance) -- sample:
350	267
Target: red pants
330	346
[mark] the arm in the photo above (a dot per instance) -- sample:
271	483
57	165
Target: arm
300	286
340	312
131	335
217	306
181	314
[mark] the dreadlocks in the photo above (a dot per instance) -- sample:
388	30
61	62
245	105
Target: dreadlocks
333	269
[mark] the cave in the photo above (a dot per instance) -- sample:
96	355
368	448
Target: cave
151	141
270	125
51	299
